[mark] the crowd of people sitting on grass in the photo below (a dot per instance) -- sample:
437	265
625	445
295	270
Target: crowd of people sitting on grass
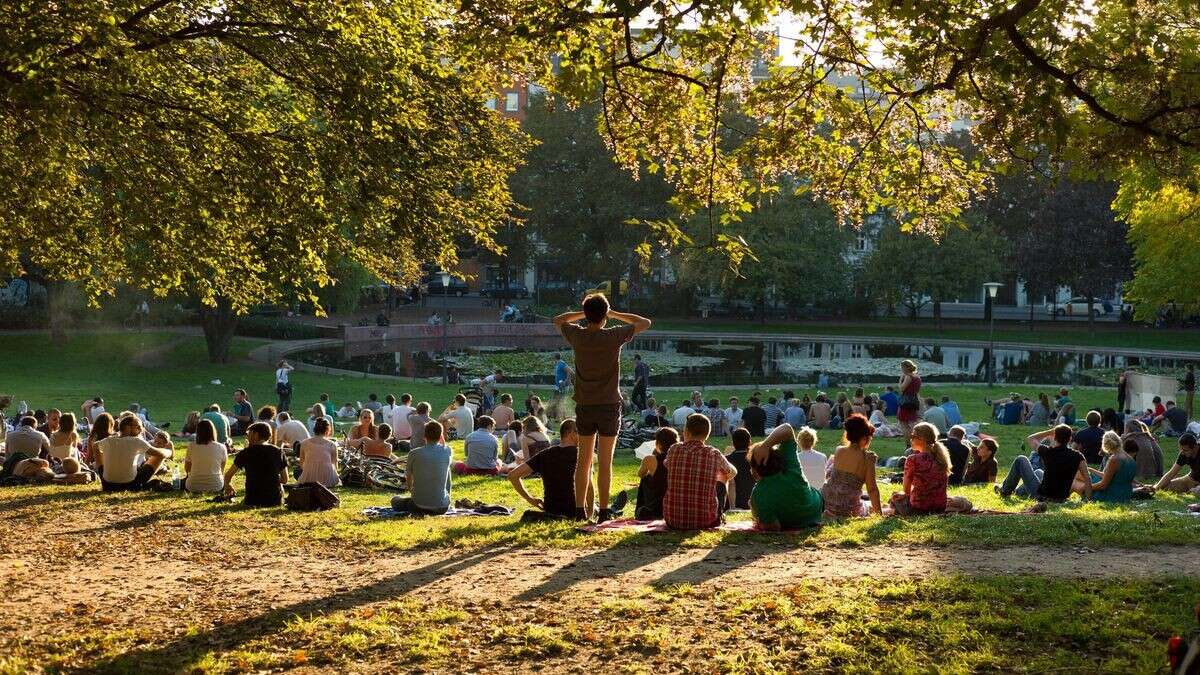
684	479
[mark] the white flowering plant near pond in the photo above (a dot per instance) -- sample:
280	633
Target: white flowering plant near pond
889	367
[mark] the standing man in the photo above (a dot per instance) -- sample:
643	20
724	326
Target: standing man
488	386
562	373
283	388
1189	390
597	390
641	381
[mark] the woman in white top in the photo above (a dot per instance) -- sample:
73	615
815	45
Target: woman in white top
64	443
205	463
812	461
319	456
283	388
128	462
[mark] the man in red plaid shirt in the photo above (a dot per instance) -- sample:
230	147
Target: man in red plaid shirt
693	470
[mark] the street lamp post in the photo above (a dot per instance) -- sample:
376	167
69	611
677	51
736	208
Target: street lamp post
445	321
991	287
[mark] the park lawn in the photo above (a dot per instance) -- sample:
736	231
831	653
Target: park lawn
1046	333
940	623
100	363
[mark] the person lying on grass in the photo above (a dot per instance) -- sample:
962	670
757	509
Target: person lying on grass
1115	483
427	475
926	475
265	467
556	464
1061	465
852	469
693	470
1189	457
127	461
782	499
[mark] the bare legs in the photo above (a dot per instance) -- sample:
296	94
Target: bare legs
583	470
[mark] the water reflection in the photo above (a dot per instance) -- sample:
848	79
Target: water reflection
767	361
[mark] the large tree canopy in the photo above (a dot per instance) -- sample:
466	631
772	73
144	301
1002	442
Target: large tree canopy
233	150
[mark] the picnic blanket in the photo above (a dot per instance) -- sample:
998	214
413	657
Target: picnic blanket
651	526
381	512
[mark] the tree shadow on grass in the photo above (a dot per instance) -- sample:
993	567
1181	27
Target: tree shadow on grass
182	654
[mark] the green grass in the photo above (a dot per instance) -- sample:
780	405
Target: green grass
1046	333
944	624
100	364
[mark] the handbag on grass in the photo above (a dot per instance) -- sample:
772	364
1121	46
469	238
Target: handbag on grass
310	497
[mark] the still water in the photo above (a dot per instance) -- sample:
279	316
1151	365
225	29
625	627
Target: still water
714	362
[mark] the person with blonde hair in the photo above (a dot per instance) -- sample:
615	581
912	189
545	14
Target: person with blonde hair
926	475
812	462
1115	483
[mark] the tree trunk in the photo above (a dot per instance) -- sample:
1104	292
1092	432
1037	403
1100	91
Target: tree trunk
219	323
614	291
57	311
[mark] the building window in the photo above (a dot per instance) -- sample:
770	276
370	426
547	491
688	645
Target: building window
512	101
862	242
491	103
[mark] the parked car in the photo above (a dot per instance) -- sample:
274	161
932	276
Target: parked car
433	286
514	289
1076	306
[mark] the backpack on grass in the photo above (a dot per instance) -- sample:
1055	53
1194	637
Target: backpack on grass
310	497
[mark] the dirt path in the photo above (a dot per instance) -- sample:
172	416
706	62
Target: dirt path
121	587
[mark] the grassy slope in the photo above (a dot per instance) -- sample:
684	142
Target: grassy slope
1142	337
100	363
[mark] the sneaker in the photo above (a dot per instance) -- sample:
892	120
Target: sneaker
619	502
581	514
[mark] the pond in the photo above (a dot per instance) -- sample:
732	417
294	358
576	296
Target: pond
678	361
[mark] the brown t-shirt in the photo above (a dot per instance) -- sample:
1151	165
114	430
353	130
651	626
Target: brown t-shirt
597	362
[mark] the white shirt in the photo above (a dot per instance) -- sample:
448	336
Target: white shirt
877	418
208	466
281	375
464	421
122	457
679	417
812	464
401	429
733	418
94	412
289	432
385	412
488	385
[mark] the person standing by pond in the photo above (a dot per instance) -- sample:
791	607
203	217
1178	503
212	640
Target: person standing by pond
597	390
909	412
283	387
641	381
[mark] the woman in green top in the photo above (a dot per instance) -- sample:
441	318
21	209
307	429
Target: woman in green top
782	499
1115	483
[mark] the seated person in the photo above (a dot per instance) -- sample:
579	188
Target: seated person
737	494
510	446
926	476
127	462
319	456
265	467
64	442
936	416
851	469
1061	466
204	464
1091	437
1174	418
782	499
882	428
27	439
795	415
983	466
347	411
417	420
381	445
953	414
533	437
1040	412
652	476
556	464
959	451
504	414
1115	483
481	449
1011	411
891	401
364	430
219	421
656	419
427	475
820	412
1149	455
459	417
693	470
1064	409
243	413
812	462
1189	457
290	431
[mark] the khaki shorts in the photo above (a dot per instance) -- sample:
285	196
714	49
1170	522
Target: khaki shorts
1185	484
604	419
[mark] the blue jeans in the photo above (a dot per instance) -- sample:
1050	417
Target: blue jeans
1022	479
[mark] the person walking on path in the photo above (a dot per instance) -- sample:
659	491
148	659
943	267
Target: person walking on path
597	391
283	387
